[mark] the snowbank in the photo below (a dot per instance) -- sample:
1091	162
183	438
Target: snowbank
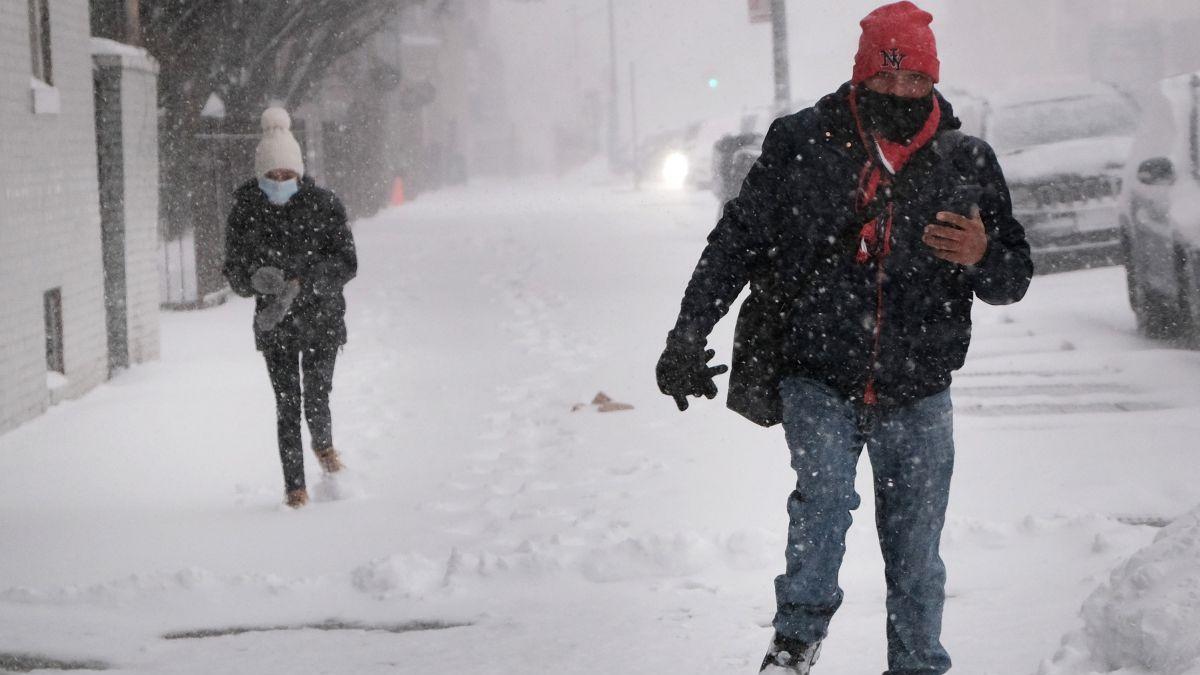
1147	618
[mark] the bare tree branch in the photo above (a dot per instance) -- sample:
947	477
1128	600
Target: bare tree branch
247	52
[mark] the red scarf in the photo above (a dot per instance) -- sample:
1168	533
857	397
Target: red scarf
885	159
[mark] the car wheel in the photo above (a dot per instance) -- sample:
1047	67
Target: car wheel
1189	294
1131	280
1156	318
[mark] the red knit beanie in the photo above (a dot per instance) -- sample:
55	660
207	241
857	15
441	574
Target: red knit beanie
897	37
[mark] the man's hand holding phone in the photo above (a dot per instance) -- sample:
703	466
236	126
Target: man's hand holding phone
963	240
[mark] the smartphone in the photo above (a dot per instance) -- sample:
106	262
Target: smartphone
964	199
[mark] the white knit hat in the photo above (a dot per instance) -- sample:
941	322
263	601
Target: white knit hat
278	148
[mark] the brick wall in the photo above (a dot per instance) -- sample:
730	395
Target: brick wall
49	222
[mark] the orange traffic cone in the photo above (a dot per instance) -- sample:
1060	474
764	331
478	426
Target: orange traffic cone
398	192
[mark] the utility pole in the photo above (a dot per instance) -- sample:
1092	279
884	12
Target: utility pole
574	11
612	88
637	165
779	33
133	23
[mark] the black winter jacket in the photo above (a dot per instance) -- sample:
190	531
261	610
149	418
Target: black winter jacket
792	234
309	239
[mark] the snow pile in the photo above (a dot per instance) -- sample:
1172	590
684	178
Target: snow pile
681	554
406	576
614	557
104	46
191	582
1147	618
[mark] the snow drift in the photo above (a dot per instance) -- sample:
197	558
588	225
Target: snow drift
1147	618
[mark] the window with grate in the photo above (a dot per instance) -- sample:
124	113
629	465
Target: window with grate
54	331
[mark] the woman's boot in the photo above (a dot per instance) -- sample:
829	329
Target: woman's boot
297	498
331	461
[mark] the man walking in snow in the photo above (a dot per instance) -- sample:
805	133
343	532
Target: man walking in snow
864	231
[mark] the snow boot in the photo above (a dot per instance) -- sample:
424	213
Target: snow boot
331	461
786	656
297	498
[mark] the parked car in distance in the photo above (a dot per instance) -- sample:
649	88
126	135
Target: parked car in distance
682	158
733	155
1063	150
659	158
1160	212
700	149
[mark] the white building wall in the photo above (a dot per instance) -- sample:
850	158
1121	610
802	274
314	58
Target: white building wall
50	223
143	255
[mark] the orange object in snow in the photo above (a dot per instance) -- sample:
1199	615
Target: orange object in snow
398	192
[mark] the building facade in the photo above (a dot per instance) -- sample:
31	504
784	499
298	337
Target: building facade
423	102
54	319
452	97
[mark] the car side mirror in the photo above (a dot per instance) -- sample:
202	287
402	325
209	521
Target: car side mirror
1157	171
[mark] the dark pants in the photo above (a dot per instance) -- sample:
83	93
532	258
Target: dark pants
288	368
912	455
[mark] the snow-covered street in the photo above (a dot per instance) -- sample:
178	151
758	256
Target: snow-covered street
523	533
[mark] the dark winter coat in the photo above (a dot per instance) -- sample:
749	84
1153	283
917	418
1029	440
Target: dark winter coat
308	239
792	234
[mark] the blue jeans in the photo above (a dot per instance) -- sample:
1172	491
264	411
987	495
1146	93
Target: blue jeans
912	453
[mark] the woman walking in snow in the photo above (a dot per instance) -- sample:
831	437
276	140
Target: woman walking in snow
288	245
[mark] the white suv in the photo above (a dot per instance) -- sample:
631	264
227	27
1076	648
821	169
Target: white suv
1063	147
1160	212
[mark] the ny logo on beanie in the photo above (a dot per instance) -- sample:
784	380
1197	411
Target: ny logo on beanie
892	58
901	33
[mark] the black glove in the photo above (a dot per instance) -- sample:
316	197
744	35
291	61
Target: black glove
268	281
683	371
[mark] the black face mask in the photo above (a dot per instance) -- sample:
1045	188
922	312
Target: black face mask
894	117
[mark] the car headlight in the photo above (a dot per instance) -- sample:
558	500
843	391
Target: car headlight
675	169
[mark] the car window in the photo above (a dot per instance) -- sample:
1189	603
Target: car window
1042	122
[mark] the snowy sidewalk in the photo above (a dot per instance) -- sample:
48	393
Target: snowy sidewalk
553	541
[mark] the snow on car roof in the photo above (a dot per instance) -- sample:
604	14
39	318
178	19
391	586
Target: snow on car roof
1050	91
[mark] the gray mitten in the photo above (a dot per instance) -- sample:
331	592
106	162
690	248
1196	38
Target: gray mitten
268	281
273	312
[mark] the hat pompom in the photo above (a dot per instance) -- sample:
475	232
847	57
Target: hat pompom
276	119
278	148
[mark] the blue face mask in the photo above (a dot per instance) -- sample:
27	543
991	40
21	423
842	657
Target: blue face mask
278	192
